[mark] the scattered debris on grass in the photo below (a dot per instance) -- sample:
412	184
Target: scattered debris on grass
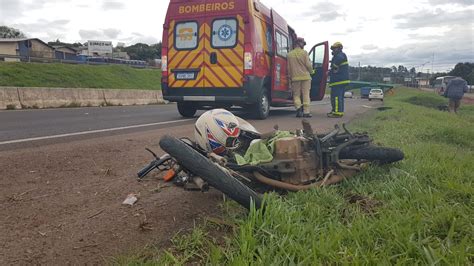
144	225
130	200
367	205
160	187
95	214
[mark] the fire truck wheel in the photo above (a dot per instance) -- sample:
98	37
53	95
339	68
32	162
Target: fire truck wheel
261	109
187	109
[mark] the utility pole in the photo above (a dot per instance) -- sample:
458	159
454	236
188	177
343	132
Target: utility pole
359	73
432	65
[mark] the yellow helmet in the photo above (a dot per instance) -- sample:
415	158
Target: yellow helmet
336	45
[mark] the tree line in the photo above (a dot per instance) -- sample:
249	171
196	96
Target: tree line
138	51
397	74
400	73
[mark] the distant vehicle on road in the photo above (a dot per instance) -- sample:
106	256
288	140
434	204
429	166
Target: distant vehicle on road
364	92
376	94
441	83
348	94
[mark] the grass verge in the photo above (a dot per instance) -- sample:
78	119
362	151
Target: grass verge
78	76
418	211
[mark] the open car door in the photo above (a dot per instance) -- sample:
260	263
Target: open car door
319	57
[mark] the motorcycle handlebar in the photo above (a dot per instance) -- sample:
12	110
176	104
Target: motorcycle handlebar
145	171
154	164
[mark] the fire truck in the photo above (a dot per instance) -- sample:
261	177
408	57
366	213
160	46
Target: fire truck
225	53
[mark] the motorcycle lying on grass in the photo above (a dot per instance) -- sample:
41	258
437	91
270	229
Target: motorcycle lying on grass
221	157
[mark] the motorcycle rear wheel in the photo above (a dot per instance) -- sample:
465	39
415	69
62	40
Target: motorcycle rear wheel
201	166
382	155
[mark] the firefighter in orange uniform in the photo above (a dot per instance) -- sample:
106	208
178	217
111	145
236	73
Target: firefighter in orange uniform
299	70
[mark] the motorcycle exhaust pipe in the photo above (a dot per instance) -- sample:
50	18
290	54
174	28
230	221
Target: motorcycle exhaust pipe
329	179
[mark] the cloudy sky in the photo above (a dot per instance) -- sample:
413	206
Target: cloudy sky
374	32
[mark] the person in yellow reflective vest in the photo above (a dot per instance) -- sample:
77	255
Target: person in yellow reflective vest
338	80
299	70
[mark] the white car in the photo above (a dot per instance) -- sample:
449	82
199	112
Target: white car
348	94
441	83
376	94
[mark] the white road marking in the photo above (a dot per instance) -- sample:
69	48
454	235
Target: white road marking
91	132
119	128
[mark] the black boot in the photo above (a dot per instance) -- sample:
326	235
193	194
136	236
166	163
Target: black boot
299	112
335	115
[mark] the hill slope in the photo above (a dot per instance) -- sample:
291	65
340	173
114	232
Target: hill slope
78	76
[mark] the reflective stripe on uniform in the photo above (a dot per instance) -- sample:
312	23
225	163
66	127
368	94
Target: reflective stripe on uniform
339	83
337	104
344	63
301	78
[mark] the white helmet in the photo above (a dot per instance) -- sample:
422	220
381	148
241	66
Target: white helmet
216	131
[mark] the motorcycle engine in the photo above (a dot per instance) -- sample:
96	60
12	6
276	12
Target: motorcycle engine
296	160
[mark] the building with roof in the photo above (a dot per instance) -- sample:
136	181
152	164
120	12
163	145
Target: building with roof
65	53
24	48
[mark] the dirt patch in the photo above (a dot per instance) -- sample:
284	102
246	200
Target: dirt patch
384	108
63	203
468	100
427	100
366	204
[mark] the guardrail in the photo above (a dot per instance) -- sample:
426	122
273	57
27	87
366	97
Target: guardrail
32	59
37	98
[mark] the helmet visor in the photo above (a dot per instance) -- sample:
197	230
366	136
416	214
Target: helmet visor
232	143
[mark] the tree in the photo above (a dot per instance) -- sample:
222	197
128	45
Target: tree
470	78
369	73
7	33
60	43
157	47
143	51
465	71
402	69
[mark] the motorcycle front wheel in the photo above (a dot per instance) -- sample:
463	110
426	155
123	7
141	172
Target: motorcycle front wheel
213	174
381	155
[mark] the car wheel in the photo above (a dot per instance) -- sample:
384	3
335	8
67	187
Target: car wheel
187	109
261	109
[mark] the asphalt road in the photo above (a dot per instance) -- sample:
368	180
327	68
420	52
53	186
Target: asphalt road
24	128
23	124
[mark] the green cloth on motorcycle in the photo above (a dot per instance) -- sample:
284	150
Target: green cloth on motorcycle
261	151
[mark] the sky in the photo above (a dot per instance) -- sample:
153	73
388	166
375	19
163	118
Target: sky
430	35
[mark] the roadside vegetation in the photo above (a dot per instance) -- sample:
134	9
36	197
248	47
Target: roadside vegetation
78	76
418	211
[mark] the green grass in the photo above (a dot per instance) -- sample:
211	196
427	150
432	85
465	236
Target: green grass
418	211
78	76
